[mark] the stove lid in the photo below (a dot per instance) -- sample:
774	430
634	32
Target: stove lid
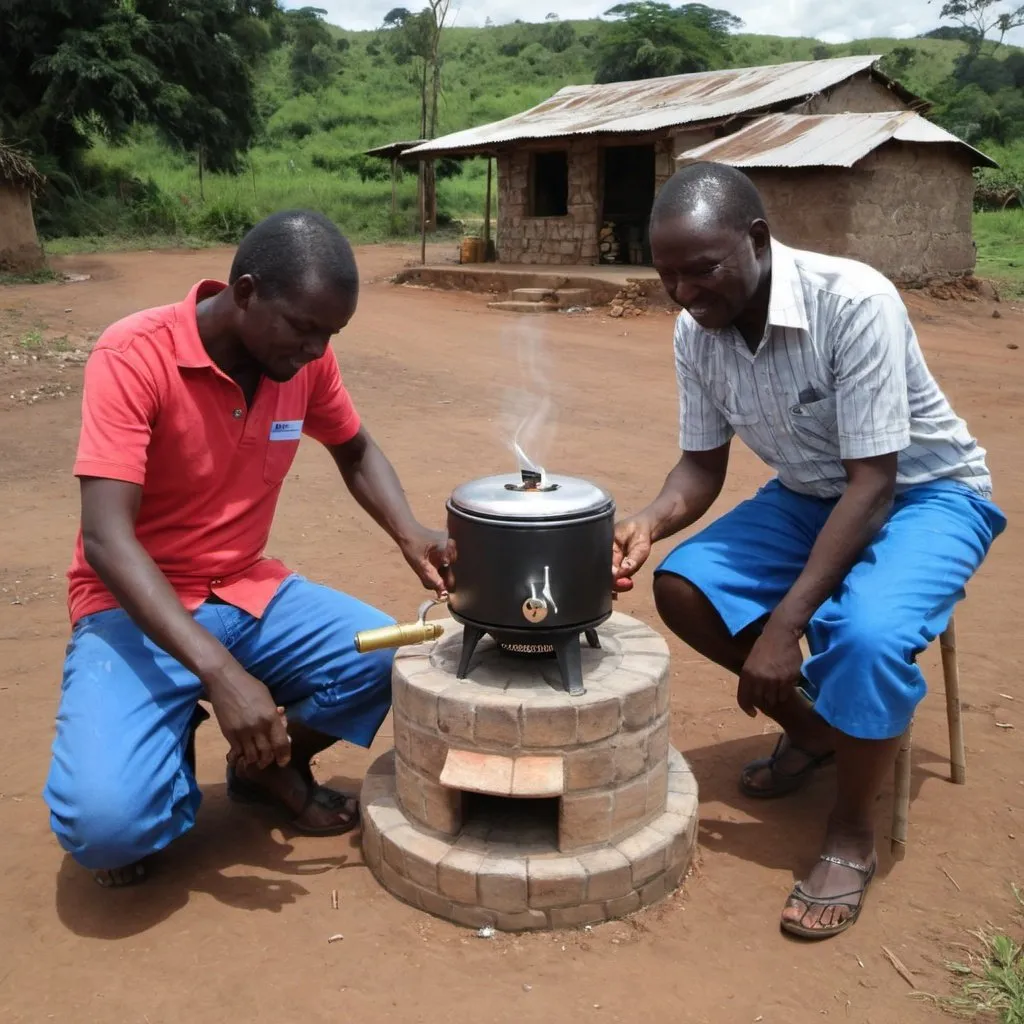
522	496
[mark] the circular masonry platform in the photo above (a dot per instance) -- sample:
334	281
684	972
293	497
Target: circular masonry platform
510	802
508	875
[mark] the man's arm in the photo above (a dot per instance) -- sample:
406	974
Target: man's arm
873	413
245	710
374	484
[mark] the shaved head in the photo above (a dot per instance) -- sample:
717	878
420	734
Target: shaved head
712	246
709	194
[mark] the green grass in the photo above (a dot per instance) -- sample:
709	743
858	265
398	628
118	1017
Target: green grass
44	276
990	979
1000	240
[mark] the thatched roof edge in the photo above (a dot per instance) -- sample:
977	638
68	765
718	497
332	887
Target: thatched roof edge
17	169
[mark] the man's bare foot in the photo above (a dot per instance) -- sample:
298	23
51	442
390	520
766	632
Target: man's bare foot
313	809
829	900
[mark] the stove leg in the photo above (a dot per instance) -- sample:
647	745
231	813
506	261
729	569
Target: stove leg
593	639
570	664
471	636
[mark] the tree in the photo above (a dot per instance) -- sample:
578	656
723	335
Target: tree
314	57
982	19
650	40
69	70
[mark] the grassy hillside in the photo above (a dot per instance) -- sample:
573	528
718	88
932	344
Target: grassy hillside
311	148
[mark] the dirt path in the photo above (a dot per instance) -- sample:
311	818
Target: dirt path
234	924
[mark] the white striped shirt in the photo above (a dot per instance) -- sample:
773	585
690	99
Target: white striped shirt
839	374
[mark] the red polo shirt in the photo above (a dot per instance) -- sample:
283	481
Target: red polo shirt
157	412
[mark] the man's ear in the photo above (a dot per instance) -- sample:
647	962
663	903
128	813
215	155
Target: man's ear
761	237
244	291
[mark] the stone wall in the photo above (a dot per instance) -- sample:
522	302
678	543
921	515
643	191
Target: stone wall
905	210
20	251
549	240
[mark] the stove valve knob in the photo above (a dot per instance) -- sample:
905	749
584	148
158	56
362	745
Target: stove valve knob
535	609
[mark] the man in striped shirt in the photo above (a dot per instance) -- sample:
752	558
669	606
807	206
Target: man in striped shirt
879	513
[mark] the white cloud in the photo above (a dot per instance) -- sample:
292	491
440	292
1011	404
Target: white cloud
829	20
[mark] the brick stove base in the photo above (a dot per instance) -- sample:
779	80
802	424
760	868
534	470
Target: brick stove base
507	802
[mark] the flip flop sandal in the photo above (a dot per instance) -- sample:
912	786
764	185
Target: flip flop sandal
842	899
782	782
244	792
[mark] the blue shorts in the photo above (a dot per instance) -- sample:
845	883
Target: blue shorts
119	786
862	674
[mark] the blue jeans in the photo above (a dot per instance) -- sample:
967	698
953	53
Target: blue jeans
862	674
119	786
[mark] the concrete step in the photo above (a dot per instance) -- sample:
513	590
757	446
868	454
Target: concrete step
569	297
514	306
534	295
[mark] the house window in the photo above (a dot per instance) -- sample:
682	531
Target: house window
549	184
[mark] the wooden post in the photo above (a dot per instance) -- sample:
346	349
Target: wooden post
487	214
901	796
423	213
951	675
394	190
202	190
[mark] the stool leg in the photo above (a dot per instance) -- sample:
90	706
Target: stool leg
901	797
951	675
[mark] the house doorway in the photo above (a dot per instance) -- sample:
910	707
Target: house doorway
628	175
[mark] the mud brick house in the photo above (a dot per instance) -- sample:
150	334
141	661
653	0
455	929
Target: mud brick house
846	161
20	251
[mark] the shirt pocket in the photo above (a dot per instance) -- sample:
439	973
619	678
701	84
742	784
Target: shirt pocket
738	411
816	425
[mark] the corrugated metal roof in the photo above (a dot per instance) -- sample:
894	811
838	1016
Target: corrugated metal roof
394	149
659	103
821	140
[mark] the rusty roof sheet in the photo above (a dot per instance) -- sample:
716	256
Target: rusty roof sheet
659	103
822	140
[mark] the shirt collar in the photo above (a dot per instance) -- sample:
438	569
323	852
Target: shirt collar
786	306
189	351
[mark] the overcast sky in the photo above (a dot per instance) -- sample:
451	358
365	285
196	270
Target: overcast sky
833	21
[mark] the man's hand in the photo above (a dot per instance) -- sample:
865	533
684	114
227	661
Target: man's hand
771	671
630	549
254	726
430	553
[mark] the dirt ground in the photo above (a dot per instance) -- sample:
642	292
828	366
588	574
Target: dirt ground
234	924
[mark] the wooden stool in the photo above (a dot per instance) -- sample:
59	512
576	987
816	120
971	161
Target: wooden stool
957	758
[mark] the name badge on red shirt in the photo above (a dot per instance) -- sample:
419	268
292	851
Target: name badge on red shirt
286	430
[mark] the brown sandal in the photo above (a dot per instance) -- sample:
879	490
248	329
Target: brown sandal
842	899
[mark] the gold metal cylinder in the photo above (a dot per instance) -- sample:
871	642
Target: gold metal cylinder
404	635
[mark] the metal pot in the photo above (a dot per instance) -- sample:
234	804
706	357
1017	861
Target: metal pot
533	554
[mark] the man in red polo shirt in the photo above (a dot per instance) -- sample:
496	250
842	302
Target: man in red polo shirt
191	417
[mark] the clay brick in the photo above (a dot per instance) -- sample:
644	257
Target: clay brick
684	807
403	741
409	790
501	885
428	752
434	904
639	708
576	917
657	744
420	705
386	814
598	721
455	719
630	755
473	917
399	687
549	726
647	851
609	875
664	698
478	773
423	854
629	806
590	767
655	890
371	845
538	777
585	819
497	725
622	907
442	808
675	873
456	875
393	847
397	885
657	790
526	921
555	882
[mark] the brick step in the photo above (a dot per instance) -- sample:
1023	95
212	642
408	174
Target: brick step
524	307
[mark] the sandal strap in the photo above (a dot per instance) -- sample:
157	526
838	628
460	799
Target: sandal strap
841	899
862	869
